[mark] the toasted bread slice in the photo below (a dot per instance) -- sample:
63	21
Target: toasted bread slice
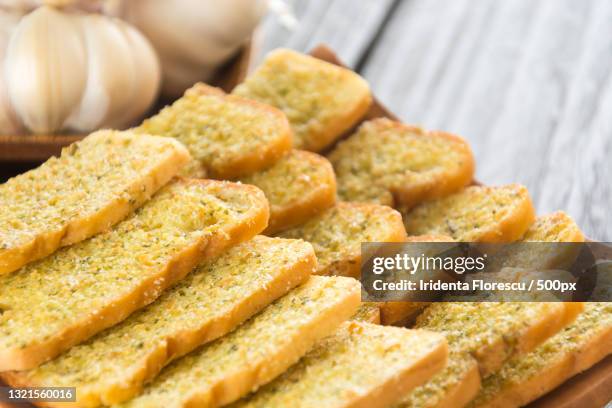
405	313
321	100
453	387
228	135
64	299
526	256
94	184
214	299
338	232
481	337
368	312
400	313
256	352
361	365
298	187
493	332
390	163
575	349
475	214
555	227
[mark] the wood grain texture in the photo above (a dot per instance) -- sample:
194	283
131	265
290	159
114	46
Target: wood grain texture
528	83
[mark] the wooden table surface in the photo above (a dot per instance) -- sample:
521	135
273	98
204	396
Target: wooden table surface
527	82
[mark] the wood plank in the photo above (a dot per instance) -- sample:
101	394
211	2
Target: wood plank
578	166
346	25
593	388
520	80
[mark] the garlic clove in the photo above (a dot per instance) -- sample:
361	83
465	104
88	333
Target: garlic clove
45	69
110	72
193	34
145	81
9	123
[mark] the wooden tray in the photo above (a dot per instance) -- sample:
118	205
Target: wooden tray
37	148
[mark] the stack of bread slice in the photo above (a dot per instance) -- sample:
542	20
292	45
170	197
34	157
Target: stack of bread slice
139	286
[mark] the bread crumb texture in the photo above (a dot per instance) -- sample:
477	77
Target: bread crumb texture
210	302
337	234
90	187
475	214
555	227
368	312
570	343
257	351
76	285
321	100
387	162
298	187
229	135
481	337
458	379
350	365
492	332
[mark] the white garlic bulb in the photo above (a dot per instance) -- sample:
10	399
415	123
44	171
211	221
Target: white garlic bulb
192	37
74	71
9	123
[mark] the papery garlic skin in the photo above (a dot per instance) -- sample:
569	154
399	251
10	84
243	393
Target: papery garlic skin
192	37
70	71
45	69
146	83
9	123
123	75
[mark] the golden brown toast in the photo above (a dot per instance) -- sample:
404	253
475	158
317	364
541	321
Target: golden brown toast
361	365
368	312
256	352
209	303
475	214
93	185
337	234
390	163
573	350
321	100
64	299
228	136
299	186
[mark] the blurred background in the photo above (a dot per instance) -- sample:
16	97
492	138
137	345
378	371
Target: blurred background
527	82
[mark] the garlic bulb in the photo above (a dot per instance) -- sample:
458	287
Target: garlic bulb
8	118
191	37
66	71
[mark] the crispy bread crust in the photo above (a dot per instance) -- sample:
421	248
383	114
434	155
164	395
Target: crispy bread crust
117	310
78	229
250	378
556	373
180	343
254	160
393	390
513	227
343	120
408	197
462	392
350	265
310	204
492	356
368	312
510	228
